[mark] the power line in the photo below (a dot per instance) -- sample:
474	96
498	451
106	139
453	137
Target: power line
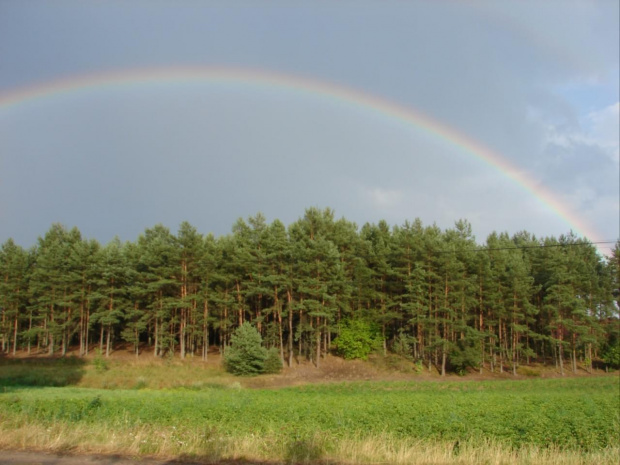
542	246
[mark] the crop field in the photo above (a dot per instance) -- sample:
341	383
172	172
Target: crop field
572	420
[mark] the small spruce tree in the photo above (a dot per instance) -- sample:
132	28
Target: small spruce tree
246	356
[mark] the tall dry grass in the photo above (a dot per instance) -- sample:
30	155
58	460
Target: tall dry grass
168	442
153	374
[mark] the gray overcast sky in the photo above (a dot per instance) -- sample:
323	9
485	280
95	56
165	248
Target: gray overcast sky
536	82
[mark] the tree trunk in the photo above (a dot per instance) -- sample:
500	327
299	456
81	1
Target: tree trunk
443	361
87	329
29	330
82	329
290	327
182	333
137	342
501	346
560	358
155	350
107	344
280	336
318	341
239	302
299	349
15	336
50	334
205	331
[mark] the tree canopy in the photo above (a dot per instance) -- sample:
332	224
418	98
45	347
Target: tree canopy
435	296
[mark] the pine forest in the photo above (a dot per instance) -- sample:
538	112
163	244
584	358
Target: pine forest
434	296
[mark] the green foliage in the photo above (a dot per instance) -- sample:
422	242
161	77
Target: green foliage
246	356
175	292
41	372
612	356
465	354
100	363
357	339
273	362
394	362
403	345
573	413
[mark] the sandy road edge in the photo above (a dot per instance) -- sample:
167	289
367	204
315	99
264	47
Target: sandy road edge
8	457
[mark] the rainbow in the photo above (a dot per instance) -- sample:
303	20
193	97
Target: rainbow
359	99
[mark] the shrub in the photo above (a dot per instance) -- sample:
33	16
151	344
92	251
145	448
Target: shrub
464	355
403	345
245	356
99	362
357	339
273	362
612	356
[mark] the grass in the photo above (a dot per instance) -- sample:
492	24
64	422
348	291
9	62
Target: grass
105	373
193	410
199	445
42	371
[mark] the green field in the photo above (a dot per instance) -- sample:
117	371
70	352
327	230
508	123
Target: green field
526	421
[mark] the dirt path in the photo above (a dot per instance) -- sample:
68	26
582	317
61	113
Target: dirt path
39	458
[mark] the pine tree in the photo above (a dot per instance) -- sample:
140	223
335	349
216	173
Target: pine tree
112	296
14	269
434	296
279	282
53	285
208	272
318	273
189	243
157	263
136	317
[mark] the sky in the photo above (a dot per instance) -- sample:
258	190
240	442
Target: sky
116	116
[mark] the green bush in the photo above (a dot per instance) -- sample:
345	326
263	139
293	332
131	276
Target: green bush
245	356
612	356
273	362
357	339
99	362
403	345
465	354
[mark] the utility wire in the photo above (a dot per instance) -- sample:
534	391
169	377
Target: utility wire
540	246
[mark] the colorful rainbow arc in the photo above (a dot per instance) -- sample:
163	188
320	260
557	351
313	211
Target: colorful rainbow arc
301	84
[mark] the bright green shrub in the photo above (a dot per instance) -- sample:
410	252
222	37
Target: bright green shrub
357	339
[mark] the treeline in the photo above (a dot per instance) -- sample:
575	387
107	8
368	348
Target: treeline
434	296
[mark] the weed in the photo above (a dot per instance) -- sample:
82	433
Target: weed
100	363
141	383
527	371
309	449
